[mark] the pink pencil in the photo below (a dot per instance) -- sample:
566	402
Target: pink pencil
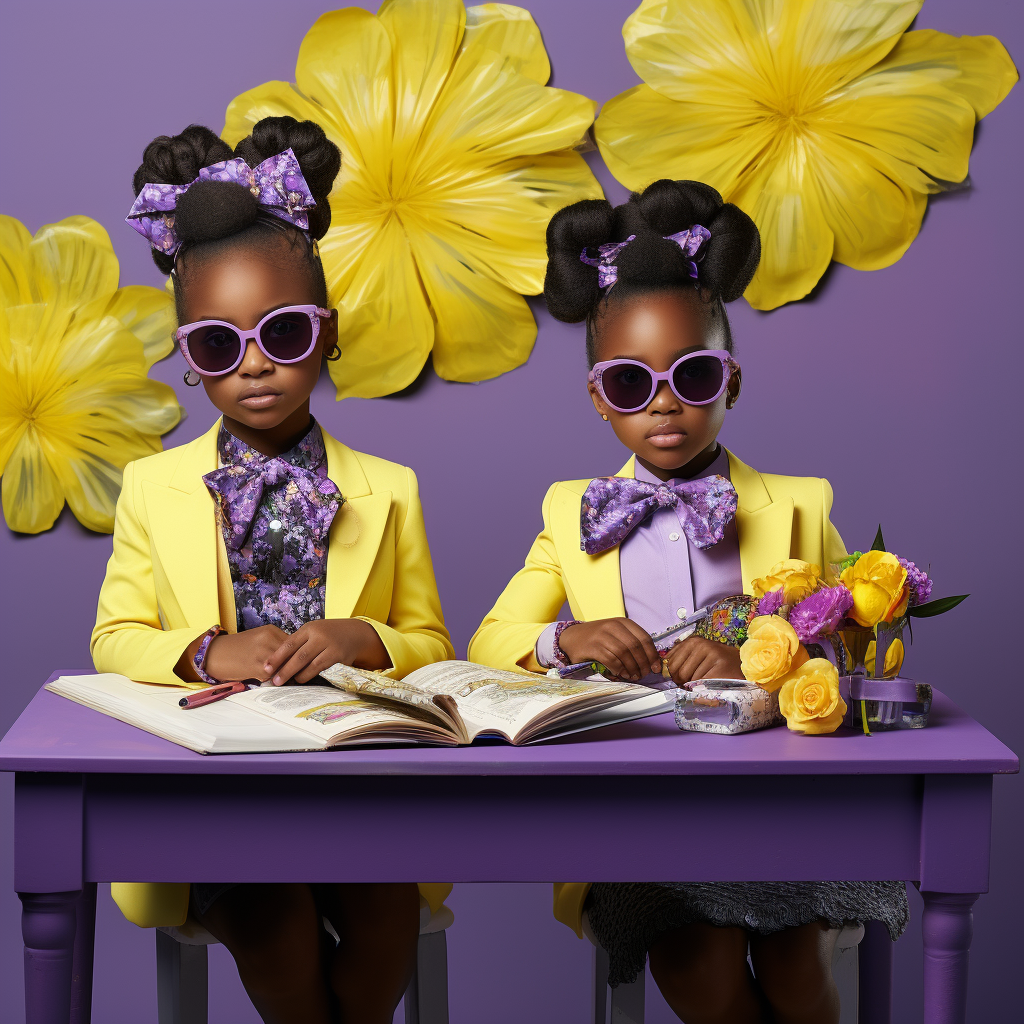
218	692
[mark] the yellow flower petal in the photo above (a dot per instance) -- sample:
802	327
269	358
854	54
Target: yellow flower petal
15	279
512	34
796	48
385	329
31	494
483	327
147	313
74	262
425	38
796	241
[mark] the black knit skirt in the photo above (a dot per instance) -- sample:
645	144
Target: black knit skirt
627	916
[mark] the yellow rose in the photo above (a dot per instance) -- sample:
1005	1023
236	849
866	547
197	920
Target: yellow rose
796	580
893	659
810	699
771	650
878	584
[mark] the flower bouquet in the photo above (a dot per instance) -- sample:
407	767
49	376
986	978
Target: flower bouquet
862	615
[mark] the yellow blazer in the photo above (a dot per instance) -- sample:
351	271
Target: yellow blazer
778	517
168	580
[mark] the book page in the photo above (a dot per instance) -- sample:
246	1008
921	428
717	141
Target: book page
493	701
376	685
334	717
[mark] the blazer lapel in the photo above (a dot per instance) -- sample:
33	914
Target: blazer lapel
764	527
356	532
184	531
594	580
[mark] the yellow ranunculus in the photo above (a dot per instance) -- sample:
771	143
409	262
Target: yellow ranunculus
824	120
878	584
809	698
771	650
795	578
75	402
454	156
893	659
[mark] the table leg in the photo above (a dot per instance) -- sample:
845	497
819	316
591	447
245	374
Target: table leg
875	956
48	928
81	964
948	927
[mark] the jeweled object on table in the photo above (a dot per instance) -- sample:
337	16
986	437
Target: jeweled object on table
888	704
725	706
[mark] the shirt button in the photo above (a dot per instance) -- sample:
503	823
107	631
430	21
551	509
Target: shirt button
673	536
274	524
681	613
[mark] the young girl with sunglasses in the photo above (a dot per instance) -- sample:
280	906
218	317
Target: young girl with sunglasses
684	524
266	550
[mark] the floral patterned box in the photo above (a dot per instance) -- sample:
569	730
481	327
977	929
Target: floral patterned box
726	706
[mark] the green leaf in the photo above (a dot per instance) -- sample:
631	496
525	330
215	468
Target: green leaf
930	608
879	544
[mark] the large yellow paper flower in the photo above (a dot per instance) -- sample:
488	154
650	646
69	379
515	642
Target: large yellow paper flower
822	119
74	353
454	157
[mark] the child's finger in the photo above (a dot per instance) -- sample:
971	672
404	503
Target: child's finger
284	651
646	655
296	663
314	668
686	658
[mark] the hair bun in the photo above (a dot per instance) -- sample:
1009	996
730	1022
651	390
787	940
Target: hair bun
214	209
570	285
178	159
318	157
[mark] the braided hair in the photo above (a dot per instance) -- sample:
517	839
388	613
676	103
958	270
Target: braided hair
213	215
650	262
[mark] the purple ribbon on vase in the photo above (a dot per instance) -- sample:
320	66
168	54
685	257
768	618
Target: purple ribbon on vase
690	240
277	184
866	688
614	506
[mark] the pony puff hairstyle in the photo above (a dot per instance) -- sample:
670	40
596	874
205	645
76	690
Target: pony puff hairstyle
651	262
213	215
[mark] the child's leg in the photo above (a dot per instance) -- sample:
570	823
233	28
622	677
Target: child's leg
702	972
273	932
378	925
794	970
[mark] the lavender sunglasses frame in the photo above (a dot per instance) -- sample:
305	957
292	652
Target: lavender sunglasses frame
315	313
729	367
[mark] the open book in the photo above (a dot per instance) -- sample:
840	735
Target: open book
449	703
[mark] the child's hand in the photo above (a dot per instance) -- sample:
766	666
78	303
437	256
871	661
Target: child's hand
321	643
243	655
696	658
622	646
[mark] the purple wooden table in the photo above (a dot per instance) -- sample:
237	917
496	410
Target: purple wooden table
97	800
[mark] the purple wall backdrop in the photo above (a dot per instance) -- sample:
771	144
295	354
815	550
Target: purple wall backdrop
907	368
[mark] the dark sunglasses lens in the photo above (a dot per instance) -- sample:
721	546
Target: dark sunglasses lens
698	379
287	336
627	386
213	348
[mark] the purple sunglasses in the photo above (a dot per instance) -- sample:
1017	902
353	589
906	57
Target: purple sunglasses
287	335
698	378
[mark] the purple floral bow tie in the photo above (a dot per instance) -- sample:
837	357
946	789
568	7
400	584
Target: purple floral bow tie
238	490
277	184
613	506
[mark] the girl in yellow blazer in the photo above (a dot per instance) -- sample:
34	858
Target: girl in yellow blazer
266	550
682	525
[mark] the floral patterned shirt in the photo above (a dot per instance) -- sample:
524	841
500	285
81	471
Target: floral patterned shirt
275	514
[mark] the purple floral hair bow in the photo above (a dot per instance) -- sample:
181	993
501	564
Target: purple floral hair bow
690	240
613	506
277	184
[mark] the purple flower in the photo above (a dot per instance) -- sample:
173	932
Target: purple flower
920	584
821	613
770	603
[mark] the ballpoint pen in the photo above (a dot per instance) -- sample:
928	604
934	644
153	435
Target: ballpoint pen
208	696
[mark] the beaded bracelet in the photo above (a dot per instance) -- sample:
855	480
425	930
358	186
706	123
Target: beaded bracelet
199	661
561	658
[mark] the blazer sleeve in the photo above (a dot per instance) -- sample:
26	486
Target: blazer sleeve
532	600
414	634
832	546
128	636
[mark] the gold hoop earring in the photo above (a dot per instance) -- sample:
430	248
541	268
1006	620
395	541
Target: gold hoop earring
604	417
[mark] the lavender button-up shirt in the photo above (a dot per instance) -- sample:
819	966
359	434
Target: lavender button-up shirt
664	576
